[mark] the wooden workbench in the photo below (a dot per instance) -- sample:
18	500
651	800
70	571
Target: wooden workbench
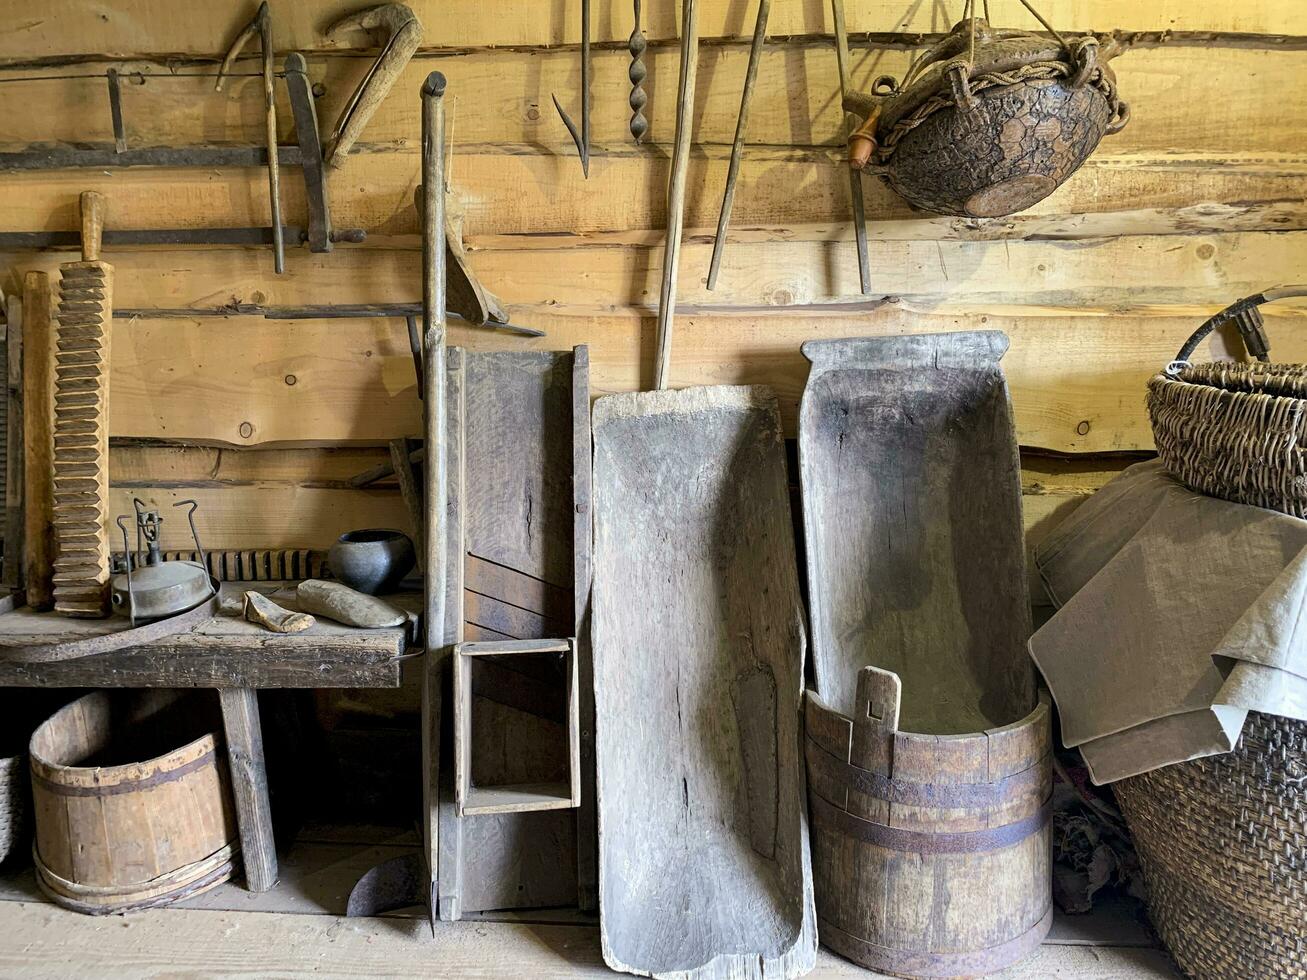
232	656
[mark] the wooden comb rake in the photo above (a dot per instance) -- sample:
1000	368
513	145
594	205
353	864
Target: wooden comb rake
81	424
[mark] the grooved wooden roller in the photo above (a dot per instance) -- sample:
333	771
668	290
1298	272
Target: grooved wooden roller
81	425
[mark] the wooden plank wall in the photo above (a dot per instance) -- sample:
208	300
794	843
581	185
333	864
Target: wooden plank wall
1199	201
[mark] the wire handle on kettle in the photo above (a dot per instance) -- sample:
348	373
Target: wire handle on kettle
1246	315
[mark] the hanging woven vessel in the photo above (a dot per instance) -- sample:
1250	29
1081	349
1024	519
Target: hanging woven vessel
988	122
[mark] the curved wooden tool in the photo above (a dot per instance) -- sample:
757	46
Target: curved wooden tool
467	298
262	26
399	31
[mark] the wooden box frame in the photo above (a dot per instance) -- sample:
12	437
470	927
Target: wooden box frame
471	800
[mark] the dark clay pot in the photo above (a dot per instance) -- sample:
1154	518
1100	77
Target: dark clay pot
373	561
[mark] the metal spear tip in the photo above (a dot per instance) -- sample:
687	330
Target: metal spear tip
435	84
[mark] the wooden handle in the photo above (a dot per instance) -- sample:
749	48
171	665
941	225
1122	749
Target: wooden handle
93	208
862	141
879	695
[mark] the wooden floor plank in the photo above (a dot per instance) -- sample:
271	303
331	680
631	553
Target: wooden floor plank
38	941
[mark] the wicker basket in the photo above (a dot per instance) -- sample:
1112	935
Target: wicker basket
1223	840
1236	431
13	805
1223	843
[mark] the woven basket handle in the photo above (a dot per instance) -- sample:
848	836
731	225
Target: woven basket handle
1248	317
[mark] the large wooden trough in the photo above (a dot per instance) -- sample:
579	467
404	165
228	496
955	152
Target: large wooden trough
704	865
927	749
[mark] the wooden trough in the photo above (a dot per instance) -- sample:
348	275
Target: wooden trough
704	867
132	801
927	749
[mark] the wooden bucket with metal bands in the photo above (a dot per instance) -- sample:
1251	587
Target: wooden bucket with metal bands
114	835
931	854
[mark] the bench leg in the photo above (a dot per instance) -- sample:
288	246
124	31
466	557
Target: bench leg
249	782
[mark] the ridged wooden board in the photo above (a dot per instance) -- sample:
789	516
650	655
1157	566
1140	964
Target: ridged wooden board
77	28
698	638
1182	97
81	439
1078	380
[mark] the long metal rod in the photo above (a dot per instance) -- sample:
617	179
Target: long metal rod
737	148
676	187
582	138
855	178
437	467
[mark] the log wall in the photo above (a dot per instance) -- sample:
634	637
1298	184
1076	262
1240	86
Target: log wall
1198	201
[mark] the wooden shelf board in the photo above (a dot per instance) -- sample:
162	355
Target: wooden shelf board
518	798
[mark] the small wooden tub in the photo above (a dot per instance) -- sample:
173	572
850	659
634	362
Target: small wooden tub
930	853
113	835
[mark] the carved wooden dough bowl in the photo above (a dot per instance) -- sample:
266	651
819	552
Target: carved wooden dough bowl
990	132
1011	151
704	865
930	843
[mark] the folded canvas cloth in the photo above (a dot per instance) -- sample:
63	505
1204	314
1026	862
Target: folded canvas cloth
1179	613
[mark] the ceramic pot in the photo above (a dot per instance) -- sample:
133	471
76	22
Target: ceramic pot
373	560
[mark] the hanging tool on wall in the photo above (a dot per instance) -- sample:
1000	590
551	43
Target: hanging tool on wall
81	427
850	126
398	30
637	73
737	147
262	26
581	139
319	234
676	187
